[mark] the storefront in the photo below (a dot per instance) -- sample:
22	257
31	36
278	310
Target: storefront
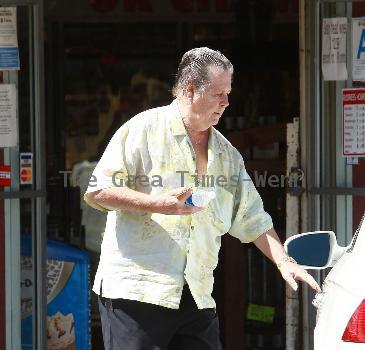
103	61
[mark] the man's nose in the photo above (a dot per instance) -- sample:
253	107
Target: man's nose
224	101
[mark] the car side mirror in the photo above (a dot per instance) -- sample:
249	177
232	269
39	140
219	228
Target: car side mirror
314	250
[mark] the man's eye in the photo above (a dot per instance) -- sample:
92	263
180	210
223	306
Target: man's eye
222	94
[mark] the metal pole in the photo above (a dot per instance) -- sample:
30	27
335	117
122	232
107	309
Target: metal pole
292	227
40	236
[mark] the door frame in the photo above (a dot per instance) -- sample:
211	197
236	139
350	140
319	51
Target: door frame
38	194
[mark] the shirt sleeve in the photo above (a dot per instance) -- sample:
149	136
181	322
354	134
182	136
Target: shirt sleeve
115	167
249	217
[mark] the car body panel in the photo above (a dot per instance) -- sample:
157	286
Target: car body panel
351	346
337	307
343	291
349	273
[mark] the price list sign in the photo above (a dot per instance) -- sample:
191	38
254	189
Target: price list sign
353	114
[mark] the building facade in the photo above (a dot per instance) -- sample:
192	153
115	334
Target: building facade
86	67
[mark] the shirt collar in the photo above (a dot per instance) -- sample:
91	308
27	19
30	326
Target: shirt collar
178	128
215	141
177	125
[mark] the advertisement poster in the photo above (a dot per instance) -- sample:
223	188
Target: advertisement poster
9	51
8	117
68	309
334	32
353	116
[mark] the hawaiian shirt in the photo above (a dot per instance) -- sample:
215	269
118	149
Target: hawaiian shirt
149	256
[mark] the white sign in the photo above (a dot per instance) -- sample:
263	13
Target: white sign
358	49
8	117
8	32
353	116
334	32
9	51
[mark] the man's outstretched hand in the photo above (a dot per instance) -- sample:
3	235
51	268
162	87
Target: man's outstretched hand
291	272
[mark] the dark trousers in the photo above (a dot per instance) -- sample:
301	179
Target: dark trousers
134	325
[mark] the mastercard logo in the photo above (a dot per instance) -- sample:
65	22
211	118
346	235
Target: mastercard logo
26	175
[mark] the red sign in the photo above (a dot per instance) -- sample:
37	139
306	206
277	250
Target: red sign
353	121
5	171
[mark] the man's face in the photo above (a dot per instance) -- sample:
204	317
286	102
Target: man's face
208	106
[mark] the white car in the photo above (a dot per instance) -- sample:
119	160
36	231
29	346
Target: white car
340	321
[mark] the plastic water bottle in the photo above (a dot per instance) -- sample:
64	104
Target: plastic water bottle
200	198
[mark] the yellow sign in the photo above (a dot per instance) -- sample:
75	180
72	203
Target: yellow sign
260	313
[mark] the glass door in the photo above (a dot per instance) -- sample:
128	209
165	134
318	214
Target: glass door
22	177
338	185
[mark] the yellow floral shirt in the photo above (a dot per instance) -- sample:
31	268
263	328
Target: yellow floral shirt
146	256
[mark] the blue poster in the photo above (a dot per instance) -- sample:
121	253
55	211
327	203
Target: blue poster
68	311
9	58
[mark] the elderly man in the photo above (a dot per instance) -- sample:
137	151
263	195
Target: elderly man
155	275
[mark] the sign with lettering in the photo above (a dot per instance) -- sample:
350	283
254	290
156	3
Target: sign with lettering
334	48
8	117
9	52
358	49
353	116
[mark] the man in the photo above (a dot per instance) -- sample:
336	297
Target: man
155	275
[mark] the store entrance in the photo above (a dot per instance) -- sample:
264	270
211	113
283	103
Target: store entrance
101	71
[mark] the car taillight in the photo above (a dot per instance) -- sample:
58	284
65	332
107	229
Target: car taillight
355	330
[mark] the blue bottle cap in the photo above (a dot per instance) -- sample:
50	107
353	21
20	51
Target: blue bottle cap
189	201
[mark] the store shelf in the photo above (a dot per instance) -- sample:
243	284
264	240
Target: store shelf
271	166
259	136
81	97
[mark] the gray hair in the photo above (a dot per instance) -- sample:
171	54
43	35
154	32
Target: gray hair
194	68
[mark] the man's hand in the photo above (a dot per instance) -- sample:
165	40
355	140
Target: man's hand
292	271
269	243
173	202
